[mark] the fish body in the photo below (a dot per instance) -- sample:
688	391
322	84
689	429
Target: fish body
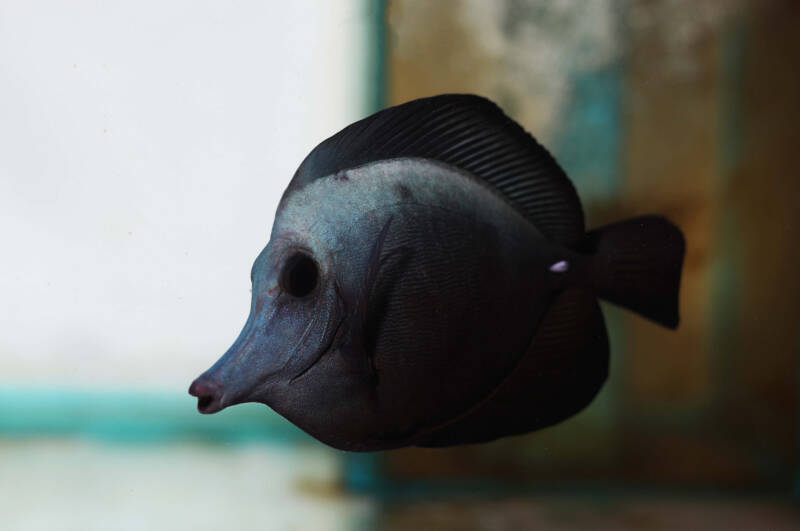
428	281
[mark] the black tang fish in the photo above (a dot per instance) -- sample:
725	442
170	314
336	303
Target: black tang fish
429	282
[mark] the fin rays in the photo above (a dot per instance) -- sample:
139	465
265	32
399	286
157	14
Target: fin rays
470	133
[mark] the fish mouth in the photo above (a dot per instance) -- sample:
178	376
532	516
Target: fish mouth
225	385
209	396
208	405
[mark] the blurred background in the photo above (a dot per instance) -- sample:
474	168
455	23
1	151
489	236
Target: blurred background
143	150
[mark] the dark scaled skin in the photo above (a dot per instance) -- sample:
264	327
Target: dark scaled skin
391	300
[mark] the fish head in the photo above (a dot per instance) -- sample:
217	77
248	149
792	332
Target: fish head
297	350
294	315
363	332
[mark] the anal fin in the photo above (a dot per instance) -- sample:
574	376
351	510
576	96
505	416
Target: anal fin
560	373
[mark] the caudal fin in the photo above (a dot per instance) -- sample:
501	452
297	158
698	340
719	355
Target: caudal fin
638	265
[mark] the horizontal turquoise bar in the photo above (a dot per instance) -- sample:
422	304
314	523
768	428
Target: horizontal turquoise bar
135	416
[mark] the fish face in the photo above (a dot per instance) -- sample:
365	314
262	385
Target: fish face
294	315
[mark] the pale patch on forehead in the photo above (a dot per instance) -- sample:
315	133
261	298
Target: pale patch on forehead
322	209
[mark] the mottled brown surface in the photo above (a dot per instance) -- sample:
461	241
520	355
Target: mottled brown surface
709	127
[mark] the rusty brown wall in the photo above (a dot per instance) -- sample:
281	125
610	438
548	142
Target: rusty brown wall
707	121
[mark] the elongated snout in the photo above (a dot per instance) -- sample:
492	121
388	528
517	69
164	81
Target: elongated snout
240	375
285	334
209	395
237	374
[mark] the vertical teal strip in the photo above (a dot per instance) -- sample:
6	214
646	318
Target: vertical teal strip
362	471
377	85
590	142
589	146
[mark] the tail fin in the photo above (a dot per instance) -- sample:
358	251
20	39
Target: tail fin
638	265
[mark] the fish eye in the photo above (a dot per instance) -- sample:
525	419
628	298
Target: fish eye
299	276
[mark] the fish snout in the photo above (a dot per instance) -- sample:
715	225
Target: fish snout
209	395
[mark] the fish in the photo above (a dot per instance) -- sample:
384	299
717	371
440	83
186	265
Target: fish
429	282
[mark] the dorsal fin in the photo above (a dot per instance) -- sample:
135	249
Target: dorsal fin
470	133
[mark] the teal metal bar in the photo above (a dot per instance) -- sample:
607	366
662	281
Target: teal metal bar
589	146
377	85
135	417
